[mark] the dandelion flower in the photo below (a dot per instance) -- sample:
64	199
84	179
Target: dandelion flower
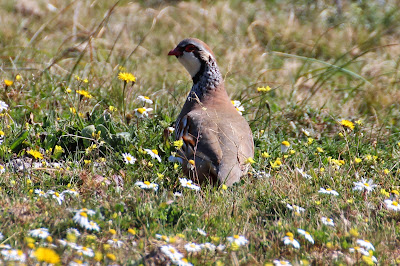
327	221
40	233
129	159
303	174
46	255
127	77
189	184
142	112
347	123
145	99
238	240
328	191
84	94
36	154
365	244
153	154
263	89
192	247
3	106
392	205
8	82
289	240
306	235
368	186
147	185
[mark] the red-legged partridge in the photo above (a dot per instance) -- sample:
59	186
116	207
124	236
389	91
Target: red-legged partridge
217	140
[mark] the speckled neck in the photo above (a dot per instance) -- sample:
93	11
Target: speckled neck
208	79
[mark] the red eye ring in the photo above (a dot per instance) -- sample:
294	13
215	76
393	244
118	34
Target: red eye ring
190	48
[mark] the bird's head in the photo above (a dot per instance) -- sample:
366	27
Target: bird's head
193	54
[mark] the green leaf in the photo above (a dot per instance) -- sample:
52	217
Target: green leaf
16	144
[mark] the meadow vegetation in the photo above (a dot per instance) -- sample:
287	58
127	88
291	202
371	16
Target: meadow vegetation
319	84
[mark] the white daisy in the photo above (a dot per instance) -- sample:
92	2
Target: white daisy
201	232
365	244
295	208
3	106
327	221
220	247
2	169
59	197
359	250
85	251
364	185
93	226
171	252
153	154
1	236
88	211
145	99
72	192
281	263
188	183
5	246
392	205
81	218
142	112
115	243
41	193
192	247
147	185
171	129
303	174
182	262
209	246
76	262
328	191
177	194
73	231
129	159
238	106
40	233
306	235
289	240
238	240
162	237
13	255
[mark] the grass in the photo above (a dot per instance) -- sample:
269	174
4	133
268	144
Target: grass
324	63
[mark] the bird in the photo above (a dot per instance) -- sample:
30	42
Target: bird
216	140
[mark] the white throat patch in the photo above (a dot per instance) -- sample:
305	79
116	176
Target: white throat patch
190	62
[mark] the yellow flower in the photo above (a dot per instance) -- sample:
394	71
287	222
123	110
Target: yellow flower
58	149
111	256
386	171
357	160
72	110
112	108
359	122
18	77
2	133
178	144
112	231
8	82
347	123
35	154
385	193
354	232
250	160
265	155
98	256
84	94
224	187
47	255
87	161
263	89
368	260
127	77
320	150
132	231
68	90
286	143
310	141
292	151
191	162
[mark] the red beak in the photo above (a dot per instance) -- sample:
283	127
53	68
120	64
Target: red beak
175	52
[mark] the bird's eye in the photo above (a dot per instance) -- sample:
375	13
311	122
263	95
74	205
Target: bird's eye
190	48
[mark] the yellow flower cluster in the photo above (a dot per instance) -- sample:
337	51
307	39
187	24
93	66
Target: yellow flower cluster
84	94
263	89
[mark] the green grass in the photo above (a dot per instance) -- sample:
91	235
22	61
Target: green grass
323	65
